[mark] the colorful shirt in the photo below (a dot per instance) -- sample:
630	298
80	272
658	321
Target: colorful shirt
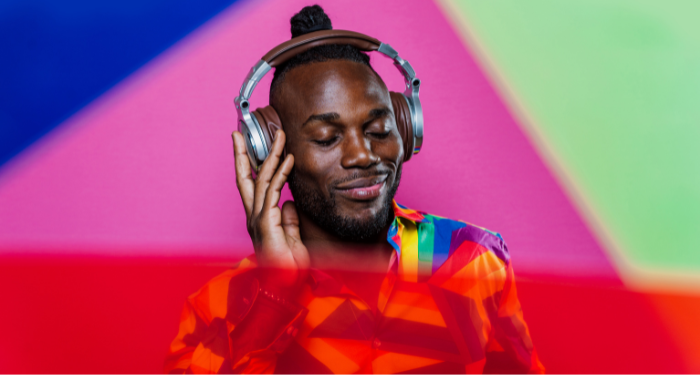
447	304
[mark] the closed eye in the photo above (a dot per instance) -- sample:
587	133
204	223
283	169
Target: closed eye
327	142
380	135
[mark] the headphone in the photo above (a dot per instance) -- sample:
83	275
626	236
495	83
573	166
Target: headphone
259	126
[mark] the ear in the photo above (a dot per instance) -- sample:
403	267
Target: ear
270	123
403	122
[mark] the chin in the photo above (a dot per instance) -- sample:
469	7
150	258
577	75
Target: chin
360	210
350	219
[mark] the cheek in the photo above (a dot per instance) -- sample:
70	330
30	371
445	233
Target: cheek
314	167
391	151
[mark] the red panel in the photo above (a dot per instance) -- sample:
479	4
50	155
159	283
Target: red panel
96	316
119	315
681	314
591	327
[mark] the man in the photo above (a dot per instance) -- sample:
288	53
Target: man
344	279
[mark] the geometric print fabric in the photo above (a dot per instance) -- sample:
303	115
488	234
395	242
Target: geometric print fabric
463	316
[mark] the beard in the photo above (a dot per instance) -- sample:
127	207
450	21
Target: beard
323	211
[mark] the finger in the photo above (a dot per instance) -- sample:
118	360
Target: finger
267	171
274	191
244	175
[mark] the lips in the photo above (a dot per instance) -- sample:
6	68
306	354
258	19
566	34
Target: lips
366	188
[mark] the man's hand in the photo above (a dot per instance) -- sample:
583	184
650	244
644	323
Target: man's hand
274	231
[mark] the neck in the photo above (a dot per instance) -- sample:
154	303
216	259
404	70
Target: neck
328	252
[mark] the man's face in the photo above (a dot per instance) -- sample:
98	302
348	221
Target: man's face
348	152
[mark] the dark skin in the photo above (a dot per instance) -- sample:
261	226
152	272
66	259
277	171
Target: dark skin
340	132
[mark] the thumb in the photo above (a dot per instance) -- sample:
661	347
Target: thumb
290	223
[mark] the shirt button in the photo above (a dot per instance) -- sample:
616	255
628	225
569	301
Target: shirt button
376	343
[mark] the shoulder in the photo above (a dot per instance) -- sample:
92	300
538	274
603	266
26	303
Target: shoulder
465	235
464	254
458	240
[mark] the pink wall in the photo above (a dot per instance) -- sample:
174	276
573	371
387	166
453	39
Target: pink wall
147	169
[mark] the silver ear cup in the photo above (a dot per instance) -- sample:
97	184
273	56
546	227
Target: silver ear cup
254	142
416	109
410	93
248	125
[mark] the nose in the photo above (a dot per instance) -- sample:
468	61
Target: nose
357	151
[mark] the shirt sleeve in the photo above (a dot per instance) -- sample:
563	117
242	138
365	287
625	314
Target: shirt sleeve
510	348
209	339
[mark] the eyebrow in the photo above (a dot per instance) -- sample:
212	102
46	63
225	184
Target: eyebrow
325	117
332	116
379	112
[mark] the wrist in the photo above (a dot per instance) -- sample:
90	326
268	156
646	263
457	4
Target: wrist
281	301
280	281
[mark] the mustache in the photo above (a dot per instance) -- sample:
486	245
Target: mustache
361	174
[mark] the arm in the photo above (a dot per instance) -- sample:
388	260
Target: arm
281	255
232	325
266	331
258	319
510	348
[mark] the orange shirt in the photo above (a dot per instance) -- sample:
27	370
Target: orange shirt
447	304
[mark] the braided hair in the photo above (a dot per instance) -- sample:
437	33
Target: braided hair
309	19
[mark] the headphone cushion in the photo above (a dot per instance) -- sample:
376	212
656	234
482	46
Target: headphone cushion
403	122
269	122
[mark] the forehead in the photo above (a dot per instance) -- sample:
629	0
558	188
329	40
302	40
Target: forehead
330	86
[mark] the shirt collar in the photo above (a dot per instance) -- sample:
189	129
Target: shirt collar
325	285
407	213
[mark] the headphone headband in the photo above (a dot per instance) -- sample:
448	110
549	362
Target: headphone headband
295	46
285	51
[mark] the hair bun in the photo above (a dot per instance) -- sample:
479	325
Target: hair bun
309	19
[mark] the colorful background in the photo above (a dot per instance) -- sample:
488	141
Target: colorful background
569	127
